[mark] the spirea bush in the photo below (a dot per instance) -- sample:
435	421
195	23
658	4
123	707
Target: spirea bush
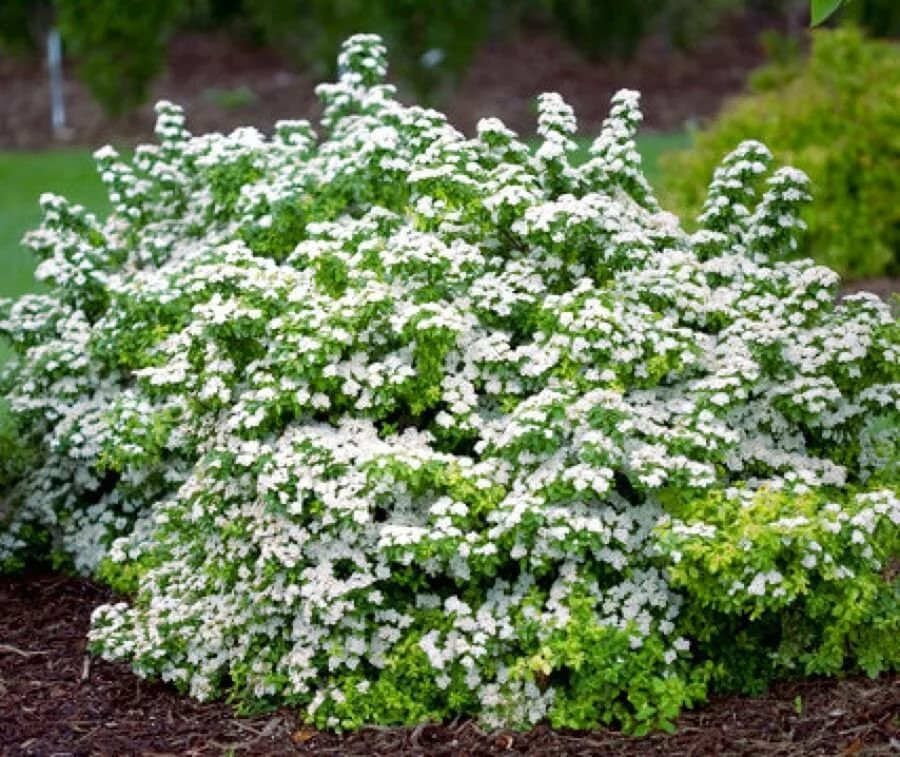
393	425
836	116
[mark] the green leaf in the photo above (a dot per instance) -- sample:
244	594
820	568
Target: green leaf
821	10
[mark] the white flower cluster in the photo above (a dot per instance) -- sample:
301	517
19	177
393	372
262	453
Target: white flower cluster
384	421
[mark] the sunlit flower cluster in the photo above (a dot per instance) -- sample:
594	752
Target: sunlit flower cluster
392	424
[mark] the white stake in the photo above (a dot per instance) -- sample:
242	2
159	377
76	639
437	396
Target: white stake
54	63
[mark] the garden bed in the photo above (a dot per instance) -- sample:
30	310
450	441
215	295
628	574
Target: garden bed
54	699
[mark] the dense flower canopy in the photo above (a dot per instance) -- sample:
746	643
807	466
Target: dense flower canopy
395	425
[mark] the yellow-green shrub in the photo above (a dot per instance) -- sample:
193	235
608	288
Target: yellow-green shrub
836	116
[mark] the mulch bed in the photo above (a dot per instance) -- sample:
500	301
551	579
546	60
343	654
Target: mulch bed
887	287
55	700
678	86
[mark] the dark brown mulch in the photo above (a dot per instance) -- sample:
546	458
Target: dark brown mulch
503	80
886	288
54	700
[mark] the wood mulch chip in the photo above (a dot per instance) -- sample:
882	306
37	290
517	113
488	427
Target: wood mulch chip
56	700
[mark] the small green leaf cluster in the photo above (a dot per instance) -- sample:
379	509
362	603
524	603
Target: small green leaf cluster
392	424
835	116
809	568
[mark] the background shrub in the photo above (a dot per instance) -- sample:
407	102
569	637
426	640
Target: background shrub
837	117
120	48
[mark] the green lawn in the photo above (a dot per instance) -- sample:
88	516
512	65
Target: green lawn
652	146
24	176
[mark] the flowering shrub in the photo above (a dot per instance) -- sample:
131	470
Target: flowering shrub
395	425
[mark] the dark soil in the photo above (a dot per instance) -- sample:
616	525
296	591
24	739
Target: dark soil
678	86
886	287
55	700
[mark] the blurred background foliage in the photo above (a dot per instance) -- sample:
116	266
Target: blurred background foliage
119	45
836	116
119	53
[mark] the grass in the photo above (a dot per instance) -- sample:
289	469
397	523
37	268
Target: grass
24	176
652	146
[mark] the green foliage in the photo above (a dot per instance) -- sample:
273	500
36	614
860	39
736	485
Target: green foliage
880	18
810	569
835	116
604	28
15	456
119	46
21	25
